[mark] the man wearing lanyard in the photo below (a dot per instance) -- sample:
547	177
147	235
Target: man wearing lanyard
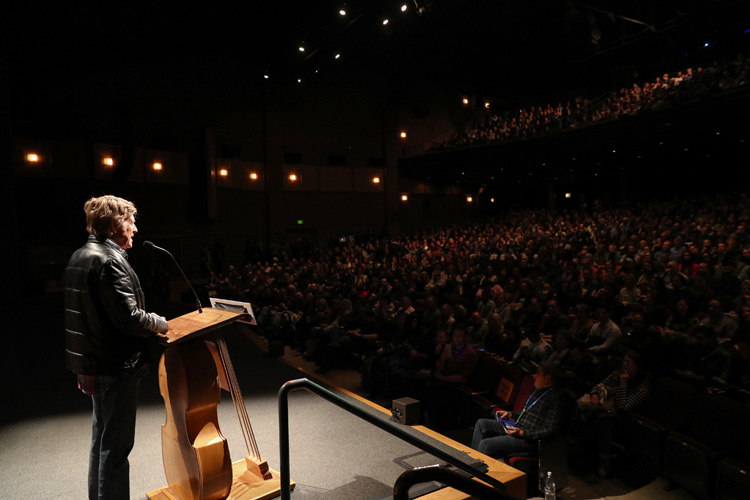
541	417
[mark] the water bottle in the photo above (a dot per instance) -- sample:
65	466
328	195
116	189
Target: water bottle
549	488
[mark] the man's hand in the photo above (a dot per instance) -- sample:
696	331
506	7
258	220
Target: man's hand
504	414
514	431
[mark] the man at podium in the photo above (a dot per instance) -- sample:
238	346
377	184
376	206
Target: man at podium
106	328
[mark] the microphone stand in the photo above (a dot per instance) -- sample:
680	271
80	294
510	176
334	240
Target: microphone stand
149	244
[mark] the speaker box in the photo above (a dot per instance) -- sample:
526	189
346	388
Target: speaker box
407	411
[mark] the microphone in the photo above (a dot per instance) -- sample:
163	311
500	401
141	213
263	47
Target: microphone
149	244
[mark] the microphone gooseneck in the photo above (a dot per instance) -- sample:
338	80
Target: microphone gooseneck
149	244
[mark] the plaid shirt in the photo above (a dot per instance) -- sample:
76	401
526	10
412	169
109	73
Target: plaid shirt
542	415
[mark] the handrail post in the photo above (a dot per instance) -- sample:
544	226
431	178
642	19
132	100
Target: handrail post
304	383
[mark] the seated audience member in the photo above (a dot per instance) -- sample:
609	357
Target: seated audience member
454	367
706	362
582	323
554	320
532	351
604	336
477	330
722	324
739	372
599	412
543	416
578	368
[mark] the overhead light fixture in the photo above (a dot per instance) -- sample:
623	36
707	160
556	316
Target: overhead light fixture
403	134
293	177
403	8
404	197
465	100
32	158
385	21
301	48
224	172
157	166
469	199
253	176
376	180
108	161
342	12
337	56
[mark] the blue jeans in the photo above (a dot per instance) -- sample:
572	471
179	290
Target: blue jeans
490	438
112	438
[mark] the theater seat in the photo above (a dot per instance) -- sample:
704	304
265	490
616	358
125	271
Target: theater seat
719	429
669	408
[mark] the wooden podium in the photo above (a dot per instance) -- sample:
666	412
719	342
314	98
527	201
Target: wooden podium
192	372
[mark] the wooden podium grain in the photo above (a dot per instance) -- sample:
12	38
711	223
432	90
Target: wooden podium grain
247	483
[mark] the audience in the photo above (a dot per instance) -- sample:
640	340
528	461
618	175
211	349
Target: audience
597	294
665	90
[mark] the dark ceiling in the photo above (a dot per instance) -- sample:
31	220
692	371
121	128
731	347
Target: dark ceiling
480	46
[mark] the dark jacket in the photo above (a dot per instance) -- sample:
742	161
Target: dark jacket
105	323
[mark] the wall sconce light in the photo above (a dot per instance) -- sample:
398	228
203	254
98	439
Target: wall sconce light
108	161
157	166
253	176
293	177
224	172
32	158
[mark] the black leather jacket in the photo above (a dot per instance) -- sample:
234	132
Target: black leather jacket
105	323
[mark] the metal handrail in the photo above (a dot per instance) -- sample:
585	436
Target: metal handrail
447	477
394	430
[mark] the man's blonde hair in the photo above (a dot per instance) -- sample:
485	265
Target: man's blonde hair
107	213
